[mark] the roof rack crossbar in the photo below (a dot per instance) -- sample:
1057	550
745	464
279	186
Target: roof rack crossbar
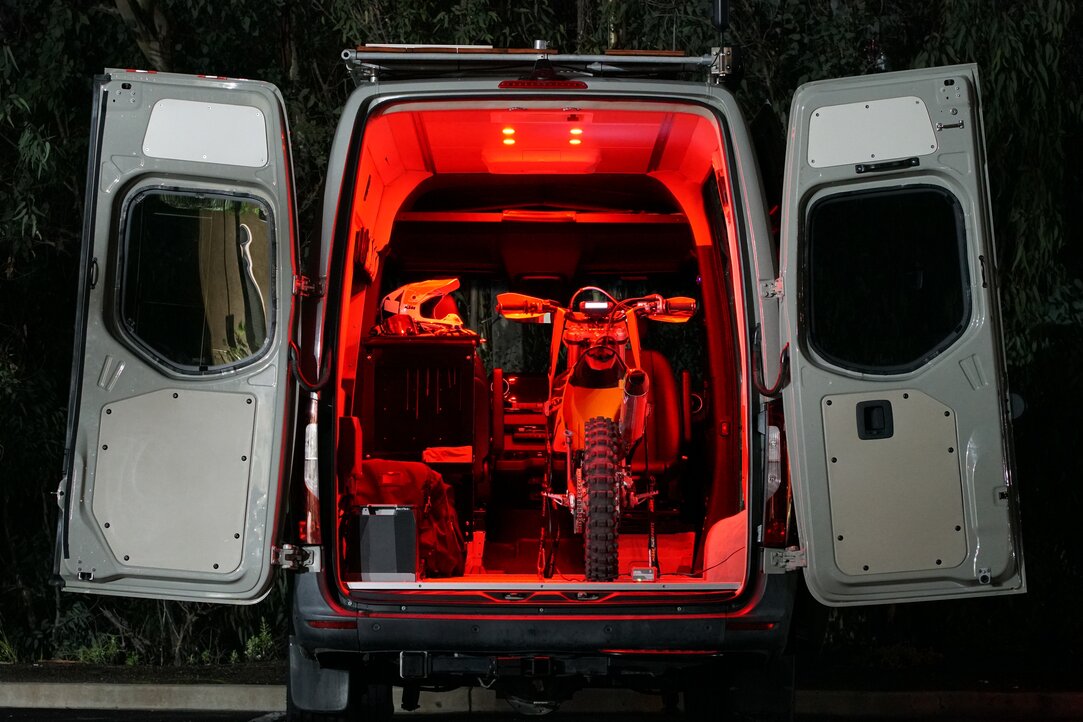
370	64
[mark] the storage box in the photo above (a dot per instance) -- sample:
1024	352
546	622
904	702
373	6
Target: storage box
387	544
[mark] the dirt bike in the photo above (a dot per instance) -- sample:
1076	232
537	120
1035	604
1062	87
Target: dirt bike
596	410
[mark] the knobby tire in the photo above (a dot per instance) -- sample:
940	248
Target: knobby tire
600	464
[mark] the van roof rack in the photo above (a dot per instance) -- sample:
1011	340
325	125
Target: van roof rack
371	63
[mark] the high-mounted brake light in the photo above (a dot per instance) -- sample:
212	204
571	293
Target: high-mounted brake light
543	84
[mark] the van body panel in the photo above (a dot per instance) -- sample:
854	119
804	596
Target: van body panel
180	413
896	413
759	259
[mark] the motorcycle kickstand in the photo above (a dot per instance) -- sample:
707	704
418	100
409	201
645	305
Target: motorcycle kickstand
652	534
551	560
547	543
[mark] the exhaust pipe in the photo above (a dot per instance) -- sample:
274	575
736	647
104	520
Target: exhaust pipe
633	407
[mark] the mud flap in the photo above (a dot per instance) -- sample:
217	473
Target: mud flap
313	688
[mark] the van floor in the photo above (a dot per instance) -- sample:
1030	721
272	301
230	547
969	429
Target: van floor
510	546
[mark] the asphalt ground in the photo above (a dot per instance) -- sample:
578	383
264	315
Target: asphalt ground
966	689
266	703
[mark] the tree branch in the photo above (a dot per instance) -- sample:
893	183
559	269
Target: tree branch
148	21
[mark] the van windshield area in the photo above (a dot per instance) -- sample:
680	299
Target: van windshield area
595	438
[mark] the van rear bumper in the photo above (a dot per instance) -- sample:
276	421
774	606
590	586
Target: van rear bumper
324	630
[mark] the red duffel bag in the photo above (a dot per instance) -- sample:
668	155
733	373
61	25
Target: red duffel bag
441	548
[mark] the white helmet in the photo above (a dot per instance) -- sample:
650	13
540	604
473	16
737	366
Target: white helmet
428	303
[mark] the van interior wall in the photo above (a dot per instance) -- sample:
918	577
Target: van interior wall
391	240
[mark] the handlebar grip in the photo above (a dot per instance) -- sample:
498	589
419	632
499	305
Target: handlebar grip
680	304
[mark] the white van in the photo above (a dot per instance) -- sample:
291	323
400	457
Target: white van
548	406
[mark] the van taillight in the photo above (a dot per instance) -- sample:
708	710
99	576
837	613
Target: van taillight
774	533
331	624
310	529
777	515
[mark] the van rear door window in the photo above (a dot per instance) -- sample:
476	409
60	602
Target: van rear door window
196	289
886	280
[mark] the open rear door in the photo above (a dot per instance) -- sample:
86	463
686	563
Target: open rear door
177	425
897	412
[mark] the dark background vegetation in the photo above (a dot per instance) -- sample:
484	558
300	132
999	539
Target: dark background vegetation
1031	57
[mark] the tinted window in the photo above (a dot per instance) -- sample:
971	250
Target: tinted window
887	285
196	287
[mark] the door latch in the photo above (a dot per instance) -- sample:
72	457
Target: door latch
771	289
295	558
305	286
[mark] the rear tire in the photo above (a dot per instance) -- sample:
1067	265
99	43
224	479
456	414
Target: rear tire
600	473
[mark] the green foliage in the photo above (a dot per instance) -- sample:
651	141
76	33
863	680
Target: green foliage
464	22
261	646
8	655
104	649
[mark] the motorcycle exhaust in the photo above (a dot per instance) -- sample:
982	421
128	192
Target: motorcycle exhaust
633	407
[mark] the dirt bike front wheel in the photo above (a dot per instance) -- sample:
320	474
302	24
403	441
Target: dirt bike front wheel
600	464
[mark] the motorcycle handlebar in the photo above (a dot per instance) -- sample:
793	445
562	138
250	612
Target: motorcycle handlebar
680	304
523	306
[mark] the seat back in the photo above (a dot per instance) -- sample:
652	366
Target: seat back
420	393
661	448
426	398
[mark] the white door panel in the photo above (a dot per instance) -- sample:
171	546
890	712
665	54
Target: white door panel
179	395
897	412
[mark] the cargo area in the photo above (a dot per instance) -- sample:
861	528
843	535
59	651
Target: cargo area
447	443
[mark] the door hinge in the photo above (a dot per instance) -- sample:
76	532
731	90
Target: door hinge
780	561
295	558
723	65
771	289
305	286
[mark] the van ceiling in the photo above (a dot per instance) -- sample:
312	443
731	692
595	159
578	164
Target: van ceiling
640	160
605	138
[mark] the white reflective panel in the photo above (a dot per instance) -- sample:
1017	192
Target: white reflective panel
173	477
207	133
870	132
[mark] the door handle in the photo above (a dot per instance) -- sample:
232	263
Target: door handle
874	420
